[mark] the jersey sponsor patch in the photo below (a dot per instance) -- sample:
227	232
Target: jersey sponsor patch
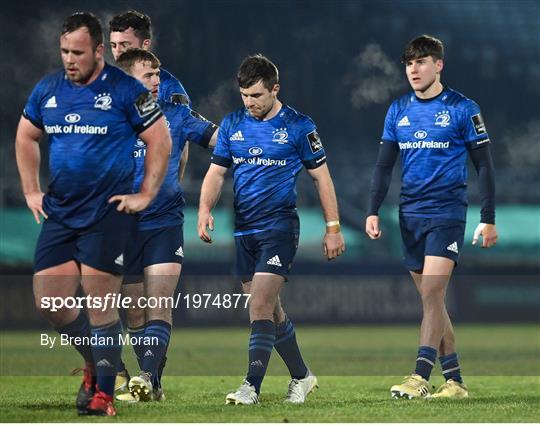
314	140
179	99
145	104
479	126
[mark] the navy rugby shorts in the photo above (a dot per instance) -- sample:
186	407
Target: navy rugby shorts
99	246
437	237
155	246
270	251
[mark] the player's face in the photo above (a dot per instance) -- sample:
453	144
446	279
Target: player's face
79	57
146	74
258	100
120	41
423	72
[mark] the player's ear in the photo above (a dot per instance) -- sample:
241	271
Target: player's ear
439	65
100	50
275	89
146	44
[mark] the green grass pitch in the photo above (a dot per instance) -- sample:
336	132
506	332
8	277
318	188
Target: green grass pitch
356	366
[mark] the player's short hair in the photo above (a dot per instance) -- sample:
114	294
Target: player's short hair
88	20
131	56
257	68
421	47
141	24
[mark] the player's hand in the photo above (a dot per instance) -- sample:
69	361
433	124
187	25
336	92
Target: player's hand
333	245
488	233
206	222
372	227
34	201
131	204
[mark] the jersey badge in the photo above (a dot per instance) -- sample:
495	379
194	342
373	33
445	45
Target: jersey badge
103	101
479	126
145	104
314	140
442	119
280	135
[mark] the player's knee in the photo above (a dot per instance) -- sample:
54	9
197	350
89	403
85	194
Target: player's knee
261	307
432	294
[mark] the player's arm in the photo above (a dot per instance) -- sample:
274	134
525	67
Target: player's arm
333	241
483	163
28	160
183	162
380	182
158	148
213	139
210	191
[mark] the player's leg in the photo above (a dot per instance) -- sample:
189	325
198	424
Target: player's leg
414	232
445	240
58	275
132	288
162	262
286	344
135	318
160	284
98	249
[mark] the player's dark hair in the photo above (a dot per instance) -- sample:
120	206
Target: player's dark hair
131	56
421	47
257	68
141	24
88	20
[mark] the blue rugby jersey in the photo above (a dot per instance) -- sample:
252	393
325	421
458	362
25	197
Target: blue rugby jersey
91	130
171	89
167	207
266	157
433	137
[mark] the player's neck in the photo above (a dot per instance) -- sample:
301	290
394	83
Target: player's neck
430	92
274	111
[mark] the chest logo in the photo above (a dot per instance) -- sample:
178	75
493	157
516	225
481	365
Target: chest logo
103	101
404	121
72	118
51	103
237	137
442	119
420	134
280	135
255	151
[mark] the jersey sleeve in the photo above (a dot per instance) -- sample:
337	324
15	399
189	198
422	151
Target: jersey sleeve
389	131
473	129
171	90
309	145
222	152
142	109
197	129
32	109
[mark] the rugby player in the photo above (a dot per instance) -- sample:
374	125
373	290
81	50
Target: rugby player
267	143
434	129
93	114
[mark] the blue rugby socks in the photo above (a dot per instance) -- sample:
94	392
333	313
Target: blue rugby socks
261	343
427	356
107	350
158	333
287	347
450	367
